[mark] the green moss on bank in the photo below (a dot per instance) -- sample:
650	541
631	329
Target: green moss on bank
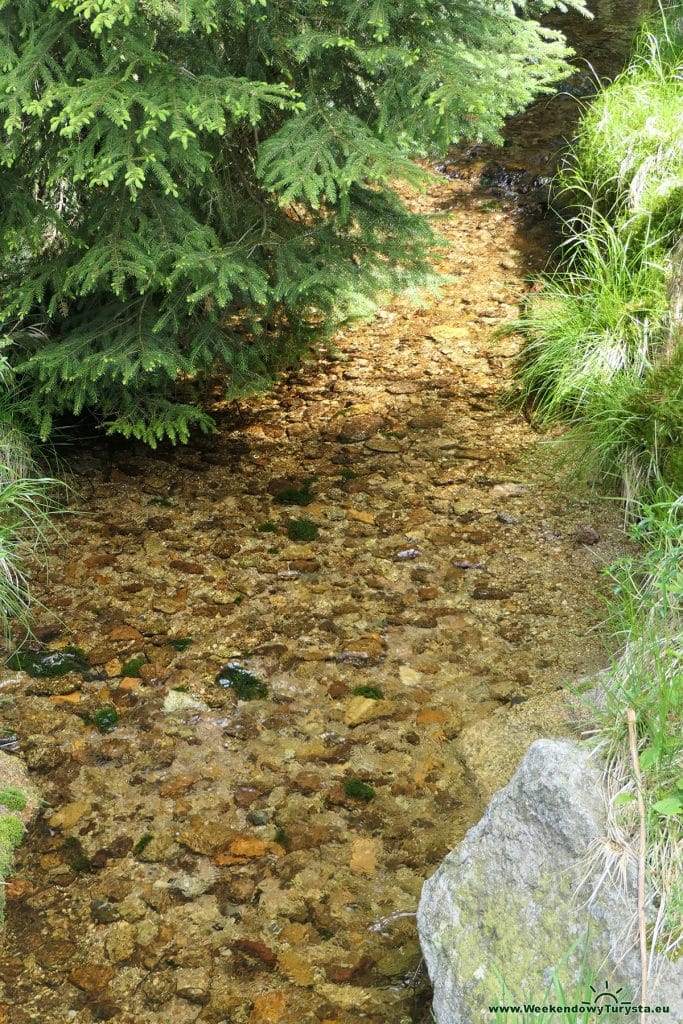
11	835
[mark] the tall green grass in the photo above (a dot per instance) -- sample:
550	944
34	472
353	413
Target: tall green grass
597	334
29	500
629	148
647	618
591	321
604	355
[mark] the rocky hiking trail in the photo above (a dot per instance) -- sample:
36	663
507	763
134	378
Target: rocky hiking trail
253	849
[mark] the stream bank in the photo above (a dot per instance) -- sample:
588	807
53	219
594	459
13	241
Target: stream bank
206	857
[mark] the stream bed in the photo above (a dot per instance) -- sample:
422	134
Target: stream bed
289	641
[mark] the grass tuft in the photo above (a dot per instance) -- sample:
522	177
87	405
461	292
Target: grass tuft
28	504
605	329
605	357
647	619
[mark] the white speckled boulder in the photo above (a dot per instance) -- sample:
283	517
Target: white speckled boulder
510	897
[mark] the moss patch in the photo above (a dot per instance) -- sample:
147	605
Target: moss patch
266	528
244	684
105	719
302	529
296	495
356	789
131	668
46	664
81	865
372	692
13	799
142	843
11	835
181	643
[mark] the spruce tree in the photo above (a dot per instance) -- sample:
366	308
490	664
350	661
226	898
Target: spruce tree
192	184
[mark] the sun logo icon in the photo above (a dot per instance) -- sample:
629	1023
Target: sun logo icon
606	994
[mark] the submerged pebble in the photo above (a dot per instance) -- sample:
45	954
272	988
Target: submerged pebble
244	684
47	664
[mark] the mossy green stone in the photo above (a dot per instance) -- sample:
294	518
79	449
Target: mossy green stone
47	664
372	692
131	668
13	799
106	719
296	495
181	643
302	529
244	684
356	789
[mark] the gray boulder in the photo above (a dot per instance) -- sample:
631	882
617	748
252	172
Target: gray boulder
517	894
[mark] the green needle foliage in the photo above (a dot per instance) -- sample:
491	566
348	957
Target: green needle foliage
198	183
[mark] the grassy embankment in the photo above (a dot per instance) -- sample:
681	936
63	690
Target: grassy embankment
27	501
605	355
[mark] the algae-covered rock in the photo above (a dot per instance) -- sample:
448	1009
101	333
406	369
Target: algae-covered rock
514	897
19	802
49	664
244	684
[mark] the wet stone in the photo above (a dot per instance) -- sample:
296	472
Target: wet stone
255	952
244	796
59	686
587	534
490	594
191	886
159	987
384	445
160	847
206	835
103	912
357	658
103	1009
366	709
93	978
358	428
193	984
244	684
430	419
49	664
120	942
308	782
69	814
